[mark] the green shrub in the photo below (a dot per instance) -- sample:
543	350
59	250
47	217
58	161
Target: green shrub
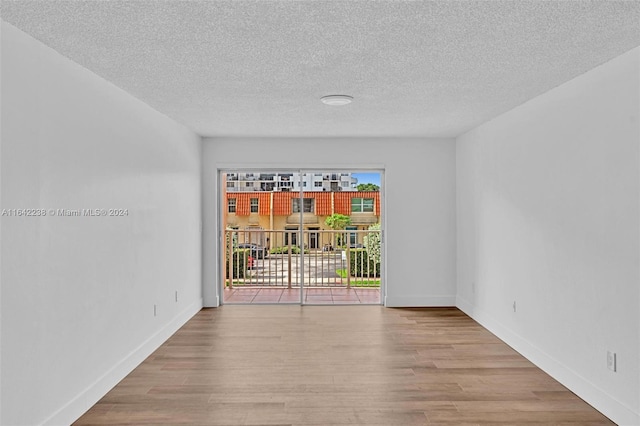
361	265
240	261
285	250
372	243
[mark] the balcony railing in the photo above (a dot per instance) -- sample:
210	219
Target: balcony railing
310	258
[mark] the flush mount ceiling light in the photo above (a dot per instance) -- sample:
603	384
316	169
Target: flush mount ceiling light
337	100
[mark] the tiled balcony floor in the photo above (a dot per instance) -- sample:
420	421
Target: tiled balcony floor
316	296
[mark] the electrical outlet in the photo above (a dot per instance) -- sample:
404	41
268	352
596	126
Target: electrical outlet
514	306
611	361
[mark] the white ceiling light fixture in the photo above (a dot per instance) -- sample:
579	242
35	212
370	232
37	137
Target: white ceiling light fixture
337	100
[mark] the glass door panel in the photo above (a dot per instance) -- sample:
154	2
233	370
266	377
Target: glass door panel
300	237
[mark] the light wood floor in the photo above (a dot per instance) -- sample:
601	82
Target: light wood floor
335	365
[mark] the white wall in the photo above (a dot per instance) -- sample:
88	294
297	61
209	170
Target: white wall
78	292
419	191
548	216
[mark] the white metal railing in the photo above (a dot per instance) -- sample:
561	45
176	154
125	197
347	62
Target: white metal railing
291	258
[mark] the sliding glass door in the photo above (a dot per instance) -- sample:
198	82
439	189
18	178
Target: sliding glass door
304	237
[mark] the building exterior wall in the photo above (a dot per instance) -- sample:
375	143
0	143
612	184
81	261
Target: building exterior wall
287	182
276	214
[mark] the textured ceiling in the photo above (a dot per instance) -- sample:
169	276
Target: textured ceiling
259	68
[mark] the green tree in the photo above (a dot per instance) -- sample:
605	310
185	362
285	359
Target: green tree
368	187
336	222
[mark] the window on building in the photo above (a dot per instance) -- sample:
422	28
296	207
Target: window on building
231	203
231	184
247	184
362	205
317	184
254	205
308	206
345	184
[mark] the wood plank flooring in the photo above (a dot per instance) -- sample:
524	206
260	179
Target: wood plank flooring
338	365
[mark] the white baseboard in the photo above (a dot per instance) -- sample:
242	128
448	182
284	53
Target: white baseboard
419	301
87	399
600	400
